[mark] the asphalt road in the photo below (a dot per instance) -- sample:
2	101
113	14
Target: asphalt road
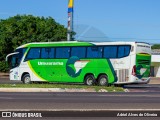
141	97
143	88
102	102
133	100
5	80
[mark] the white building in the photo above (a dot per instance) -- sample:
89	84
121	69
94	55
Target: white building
155	65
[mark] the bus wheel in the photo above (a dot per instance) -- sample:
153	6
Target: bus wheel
89	80
26	79
103	80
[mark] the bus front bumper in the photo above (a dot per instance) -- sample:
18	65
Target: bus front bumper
137	81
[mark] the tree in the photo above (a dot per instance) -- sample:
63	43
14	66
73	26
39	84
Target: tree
22	29
156	46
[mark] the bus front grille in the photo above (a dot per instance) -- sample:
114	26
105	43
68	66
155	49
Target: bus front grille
123	75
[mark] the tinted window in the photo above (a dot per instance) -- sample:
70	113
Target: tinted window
94	52
110	51
21	51
78	51
127	50
34	53
14	61
63	52
47	52
20	54
123	51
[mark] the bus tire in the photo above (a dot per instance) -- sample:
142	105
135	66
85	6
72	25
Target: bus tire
89	80
26	79
103	80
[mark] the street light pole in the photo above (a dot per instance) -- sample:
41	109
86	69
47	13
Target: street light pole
70	20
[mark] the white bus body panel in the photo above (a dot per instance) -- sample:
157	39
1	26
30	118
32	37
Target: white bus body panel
16	73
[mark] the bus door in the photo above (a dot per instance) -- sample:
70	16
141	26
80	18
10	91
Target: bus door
13	62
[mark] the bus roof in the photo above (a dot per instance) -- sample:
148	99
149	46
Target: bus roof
75	43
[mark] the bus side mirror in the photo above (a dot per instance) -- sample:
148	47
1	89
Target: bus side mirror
8	60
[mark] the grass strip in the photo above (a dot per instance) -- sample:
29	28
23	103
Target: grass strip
63	86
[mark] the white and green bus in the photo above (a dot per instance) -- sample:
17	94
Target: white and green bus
101	63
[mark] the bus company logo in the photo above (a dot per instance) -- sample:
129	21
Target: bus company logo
49	63
6	114
74	66
119	62
141	71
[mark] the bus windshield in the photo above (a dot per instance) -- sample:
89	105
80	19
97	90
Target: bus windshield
15	58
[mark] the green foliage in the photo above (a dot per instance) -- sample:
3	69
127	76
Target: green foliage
156	46
19	30
3	66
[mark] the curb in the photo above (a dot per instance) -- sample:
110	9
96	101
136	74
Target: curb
45	90
53	90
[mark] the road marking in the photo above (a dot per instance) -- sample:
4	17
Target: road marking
6	98
157	95
110	95
103	95
139	86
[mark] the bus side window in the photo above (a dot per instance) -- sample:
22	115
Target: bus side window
34	53
47	53
127	50
63	52
110	52
94	52
123	51
80	52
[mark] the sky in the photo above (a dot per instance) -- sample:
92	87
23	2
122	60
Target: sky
97	20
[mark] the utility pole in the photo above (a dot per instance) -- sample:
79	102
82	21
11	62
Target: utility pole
70	20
